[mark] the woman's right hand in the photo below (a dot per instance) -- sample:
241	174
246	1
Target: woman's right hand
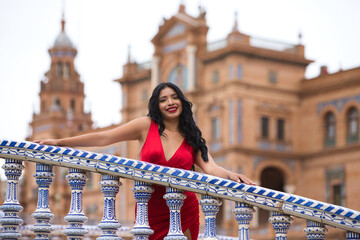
54	142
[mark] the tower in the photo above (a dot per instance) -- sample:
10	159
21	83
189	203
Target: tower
61	95
61	115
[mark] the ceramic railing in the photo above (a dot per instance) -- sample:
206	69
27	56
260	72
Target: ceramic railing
213	189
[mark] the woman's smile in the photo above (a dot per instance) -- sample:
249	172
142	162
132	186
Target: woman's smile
172	109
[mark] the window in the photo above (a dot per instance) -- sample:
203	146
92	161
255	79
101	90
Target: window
273	77
144	95
59	69
239	73
57	101
330	129
43	106
231	72
264	127
215	126
280	129
336	194
215	76
72	104
352	125
66	70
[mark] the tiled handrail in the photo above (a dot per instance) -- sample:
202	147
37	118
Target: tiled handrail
278	202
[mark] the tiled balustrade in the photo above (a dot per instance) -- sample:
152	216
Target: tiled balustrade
283	205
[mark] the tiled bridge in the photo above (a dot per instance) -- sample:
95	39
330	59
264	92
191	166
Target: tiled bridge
213	189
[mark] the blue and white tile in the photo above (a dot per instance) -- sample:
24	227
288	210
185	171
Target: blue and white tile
118	169
180	179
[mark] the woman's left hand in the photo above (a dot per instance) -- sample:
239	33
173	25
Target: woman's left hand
241	178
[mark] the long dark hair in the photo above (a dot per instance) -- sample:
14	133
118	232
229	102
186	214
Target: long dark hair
187	125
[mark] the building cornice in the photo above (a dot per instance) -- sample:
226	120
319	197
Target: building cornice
288	154
255	52
135	78
330	82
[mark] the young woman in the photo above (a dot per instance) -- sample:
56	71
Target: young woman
168	136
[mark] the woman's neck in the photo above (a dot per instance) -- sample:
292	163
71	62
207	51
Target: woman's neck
172	126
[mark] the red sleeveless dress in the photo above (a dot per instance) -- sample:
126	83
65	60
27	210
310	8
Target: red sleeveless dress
159	214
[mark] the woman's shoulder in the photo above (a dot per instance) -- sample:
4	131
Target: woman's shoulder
143	122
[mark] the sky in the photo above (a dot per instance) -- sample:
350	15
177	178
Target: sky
103	30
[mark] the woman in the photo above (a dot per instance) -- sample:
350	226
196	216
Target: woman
168	136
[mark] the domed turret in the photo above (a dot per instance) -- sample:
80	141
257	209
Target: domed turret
63	41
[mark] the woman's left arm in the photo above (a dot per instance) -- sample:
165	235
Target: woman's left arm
210	167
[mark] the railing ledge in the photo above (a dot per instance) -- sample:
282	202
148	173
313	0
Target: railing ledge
329	214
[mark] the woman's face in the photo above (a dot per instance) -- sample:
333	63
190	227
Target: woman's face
169	103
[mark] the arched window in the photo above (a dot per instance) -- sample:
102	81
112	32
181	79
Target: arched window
352	118
272	178
59	69
330	129
72	104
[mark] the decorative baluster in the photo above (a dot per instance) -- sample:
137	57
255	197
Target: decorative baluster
281	224
76	217
243	214
142	193
210	206
43	215
352	235
315	230
109	224
11	207
174	199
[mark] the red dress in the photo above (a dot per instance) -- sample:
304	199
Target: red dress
159	214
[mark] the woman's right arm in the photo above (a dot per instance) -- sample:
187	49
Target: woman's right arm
133	130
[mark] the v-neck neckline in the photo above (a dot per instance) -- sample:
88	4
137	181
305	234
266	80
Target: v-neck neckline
163	151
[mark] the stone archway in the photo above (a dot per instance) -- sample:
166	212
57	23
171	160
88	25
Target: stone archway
272	178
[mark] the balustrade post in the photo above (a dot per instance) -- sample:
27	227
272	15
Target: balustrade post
352	235
11	207
142	193
315	230
109	224
43	215
243	215
210	206
281	224
174	199
76	217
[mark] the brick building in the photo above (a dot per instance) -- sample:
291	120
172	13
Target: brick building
257	111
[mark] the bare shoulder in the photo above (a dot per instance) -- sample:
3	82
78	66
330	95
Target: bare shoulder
142	123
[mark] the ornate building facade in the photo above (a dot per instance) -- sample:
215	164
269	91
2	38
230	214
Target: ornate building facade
258	114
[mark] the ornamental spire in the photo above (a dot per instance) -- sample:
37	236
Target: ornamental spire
235	27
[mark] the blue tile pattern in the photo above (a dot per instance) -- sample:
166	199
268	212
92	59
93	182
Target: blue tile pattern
336	216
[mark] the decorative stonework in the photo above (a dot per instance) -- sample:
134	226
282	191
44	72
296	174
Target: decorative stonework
315	230
337	103
243	214
281	224
109	224
76	217
142	193
43	215
174	199
329	214
11	207
210	207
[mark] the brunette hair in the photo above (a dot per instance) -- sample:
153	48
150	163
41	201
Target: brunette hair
187	125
